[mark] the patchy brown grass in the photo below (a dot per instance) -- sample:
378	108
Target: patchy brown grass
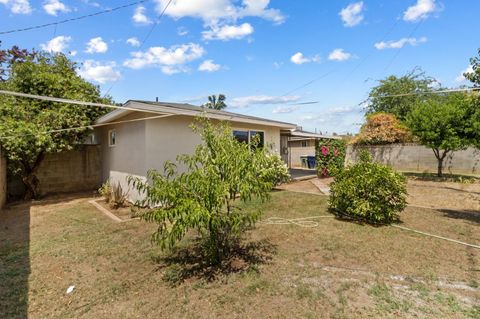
336	270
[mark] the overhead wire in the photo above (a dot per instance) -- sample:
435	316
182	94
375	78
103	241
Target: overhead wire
144	39
40	26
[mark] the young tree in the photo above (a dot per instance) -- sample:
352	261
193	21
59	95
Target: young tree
220	173
382	128
216	103
400	106
441	123
24	120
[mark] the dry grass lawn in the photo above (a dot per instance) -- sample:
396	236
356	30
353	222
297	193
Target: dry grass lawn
335	270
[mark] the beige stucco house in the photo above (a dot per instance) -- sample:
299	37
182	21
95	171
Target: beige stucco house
132	146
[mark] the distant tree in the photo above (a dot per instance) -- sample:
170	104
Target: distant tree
216	103
442	123
474	76
10	56
24	120
474	114
382	128
400	106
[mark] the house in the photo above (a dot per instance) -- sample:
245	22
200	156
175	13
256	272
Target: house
132	146
301	144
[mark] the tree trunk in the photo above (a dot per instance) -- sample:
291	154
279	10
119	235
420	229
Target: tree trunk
30	179
440	167
440	157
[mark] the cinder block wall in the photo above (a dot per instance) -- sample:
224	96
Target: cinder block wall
3	179
71	171
417	158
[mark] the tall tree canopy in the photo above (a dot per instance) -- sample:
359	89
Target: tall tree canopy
442	123
400	106
24	120
216	103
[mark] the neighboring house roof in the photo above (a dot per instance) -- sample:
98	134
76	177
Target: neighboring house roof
188	110
298	135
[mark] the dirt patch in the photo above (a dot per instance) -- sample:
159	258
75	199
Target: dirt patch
444	195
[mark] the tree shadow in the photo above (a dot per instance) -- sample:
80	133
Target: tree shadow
14	260
190	262
467	215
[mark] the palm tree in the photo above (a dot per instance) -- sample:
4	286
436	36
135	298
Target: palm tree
216	103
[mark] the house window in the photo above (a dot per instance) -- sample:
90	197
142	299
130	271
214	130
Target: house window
241	136
247	136
304	143
112	138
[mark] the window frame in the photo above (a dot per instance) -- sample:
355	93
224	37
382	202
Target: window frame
114	131
249	130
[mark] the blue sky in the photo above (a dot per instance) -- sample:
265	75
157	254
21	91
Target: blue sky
259	53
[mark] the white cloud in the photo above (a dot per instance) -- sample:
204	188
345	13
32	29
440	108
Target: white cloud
73	53
285	109
245	101
339	55
352	14
228	32
18	6
57	44
95	71
461	76
400	43
139	16
181	31
170	60
420	10
209	66
53	7
134	42
96	45
299	58
213	11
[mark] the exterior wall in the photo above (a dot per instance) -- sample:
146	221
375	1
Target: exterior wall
146	145
3	180
296	152
128	156
417	158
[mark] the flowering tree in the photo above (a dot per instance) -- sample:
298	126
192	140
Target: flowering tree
330	154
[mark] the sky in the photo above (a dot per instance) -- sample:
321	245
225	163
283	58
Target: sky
305	62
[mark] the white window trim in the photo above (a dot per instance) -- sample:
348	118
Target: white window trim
110	139
250	130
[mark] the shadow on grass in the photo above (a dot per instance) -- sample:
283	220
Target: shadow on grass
14	261
467	215
190	262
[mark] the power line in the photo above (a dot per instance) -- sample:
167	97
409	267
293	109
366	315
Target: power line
144	39
62	100
40	26
431	92
156	23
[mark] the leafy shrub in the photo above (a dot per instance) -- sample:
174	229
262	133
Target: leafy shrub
368	192
382	128
274	169
330	155
106	191
220	173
